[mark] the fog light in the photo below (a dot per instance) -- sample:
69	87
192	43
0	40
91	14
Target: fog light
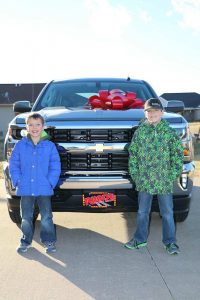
184	181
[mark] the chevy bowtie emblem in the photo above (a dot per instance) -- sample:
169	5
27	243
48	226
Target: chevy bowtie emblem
100	147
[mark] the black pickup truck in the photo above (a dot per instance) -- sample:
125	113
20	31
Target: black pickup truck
92	140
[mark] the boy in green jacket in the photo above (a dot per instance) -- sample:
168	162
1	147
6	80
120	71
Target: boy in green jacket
156	160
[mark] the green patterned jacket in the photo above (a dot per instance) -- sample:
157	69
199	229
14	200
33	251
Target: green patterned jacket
156	158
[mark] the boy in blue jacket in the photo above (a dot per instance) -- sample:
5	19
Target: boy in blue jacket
35	169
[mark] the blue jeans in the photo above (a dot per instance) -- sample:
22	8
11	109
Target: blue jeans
166	210
47	229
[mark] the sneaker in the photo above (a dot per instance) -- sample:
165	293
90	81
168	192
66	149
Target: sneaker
50	247
133	244
172	248
22	248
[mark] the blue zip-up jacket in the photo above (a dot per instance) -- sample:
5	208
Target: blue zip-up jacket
34	169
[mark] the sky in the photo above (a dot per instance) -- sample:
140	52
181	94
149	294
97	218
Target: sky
157	40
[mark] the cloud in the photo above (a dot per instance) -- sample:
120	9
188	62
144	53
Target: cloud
107	20
144	16
190	13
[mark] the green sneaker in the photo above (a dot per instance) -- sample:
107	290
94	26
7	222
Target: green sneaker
50	247
23	248
133	244
172	248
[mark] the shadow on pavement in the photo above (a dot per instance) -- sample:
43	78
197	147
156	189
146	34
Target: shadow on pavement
103	269
95	263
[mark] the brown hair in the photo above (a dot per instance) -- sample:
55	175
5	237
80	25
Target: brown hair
35	116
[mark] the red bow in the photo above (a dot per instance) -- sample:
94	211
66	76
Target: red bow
115	99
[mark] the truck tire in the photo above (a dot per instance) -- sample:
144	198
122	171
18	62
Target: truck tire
181	217
16	218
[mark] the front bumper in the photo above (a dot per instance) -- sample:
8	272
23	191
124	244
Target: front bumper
95	182
69	193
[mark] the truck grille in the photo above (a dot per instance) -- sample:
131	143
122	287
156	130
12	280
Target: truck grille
90	161
72	161
90	135
94	162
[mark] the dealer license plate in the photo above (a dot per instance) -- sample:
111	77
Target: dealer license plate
99	199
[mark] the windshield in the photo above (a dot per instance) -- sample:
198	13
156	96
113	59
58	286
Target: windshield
71	94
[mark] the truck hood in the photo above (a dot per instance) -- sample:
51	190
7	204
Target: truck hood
58	114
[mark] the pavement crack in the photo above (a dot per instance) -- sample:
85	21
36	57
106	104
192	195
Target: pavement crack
163	279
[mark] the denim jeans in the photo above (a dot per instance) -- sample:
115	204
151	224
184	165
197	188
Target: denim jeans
47	229
166	210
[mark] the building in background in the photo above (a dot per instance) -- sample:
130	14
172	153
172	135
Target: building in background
191	102
10	93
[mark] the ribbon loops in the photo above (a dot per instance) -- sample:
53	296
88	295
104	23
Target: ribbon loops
115	99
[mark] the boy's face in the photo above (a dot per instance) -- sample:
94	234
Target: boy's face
153	115
34	127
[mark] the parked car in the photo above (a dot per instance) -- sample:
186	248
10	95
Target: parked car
92	122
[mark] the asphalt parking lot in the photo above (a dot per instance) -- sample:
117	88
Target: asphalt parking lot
91	262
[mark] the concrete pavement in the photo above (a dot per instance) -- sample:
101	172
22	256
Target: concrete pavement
91	262
2	189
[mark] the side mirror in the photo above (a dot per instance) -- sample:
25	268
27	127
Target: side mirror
175	106
22	106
